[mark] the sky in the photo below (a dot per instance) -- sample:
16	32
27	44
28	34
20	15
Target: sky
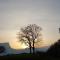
15	14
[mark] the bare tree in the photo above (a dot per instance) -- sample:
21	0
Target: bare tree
30	34
35	33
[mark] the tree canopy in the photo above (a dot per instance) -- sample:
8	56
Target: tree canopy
30	34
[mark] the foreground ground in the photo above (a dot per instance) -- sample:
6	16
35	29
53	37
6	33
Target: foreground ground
29	56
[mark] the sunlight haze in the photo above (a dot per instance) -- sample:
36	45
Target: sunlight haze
15	14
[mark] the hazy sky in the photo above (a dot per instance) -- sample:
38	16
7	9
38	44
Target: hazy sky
17	13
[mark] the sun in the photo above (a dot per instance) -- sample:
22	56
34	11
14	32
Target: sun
17	45
24	46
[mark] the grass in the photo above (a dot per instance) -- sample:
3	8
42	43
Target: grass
28	56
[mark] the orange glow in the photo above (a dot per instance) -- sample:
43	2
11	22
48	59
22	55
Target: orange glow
17	45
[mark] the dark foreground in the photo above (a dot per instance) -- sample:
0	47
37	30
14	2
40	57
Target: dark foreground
29	57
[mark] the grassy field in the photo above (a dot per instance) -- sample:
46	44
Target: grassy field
28	56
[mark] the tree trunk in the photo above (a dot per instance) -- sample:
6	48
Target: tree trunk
33	47
30	48
29	45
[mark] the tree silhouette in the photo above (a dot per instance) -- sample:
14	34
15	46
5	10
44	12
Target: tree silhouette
2	49
59	30
54	50
29	35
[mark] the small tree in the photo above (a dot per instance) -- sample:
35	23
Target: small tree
29	35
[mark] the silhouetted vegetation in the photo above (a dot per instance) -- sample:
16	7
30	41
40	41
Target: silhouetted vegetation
53	53
59	30
29	34
54	50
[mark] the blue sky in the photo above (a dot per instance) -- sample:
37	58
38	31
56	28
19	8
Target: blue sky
17	13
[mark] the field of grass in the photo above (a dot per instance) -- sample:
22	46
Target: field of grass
28	56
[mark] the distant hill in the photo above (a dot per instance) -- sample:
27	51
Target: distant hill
9	50
42	49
